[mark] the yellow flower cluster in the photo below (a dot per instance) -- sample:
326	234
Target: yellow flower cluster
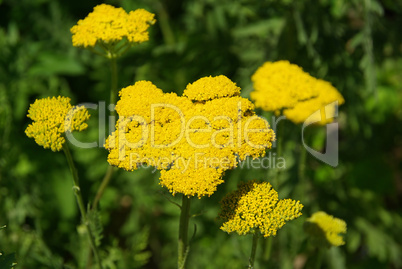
205	89
192	139
325	229
109	24
255	206
282	86
52	117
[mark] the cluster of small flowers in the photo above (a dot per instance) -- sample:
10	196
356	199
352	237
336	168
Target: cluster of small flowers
208	120
52	117
325	229
255	206
282	86
109	24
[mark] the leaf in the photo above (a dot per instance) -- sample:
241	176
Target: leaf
354	240
375	7
380	245
141	255
96	226
356	41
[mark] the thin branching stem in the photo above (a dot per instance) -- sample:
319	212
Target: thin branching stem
102	187
80	201
253	250
183	248
113	95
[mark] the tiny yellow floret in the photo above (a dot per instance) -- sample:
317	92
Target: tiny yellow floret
52	117
284	87
108	24
255	207
326	229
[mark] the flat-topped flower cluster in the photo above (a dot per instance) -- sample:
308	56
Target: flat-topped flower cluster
109	24
52	117
165	130
255	207
285	87
326	229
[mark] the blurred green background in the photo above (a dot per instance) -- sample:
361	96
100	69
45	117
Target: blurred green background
356	45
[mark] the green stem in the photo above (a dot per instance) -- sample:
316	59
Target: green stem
102	187
93	50
77	192
183	232
113	94
302	173
302	164
369	68
267	248
166	29
318	258
253	251
279	145
114	80
303	187
123	49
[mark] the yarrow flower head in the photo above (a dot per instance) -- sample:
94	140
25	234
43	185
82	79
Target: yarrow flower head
52	117
285	87
192	139
255	207
325	229
204	89
109	25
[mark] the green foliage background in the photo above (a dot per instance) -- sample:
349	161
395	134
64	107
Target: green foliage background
355	44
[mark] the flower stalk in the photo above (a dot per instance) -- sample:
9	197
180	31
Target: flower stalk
183	247
267	249
318	258
279	150
78	196
113	94
303	184
114	80
253	250
105	181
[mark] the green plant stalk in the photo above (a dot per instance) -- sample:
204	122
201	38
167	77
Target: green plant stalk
253	250
113	82
303	186
267	248
166	29
77	192
302	163
318	258
369	70
183	247
102	187
113	94
279	145
302	172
